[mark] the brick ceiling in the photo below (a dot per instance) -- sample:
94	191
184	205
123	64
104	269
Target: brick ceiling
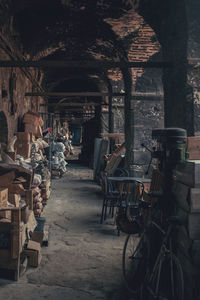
79	30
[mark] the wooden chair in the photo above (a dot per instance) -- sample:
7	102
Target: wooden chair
111	192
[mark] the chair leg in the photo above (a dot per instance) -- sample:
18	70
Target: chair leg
102	211
113	208
109	210
106	207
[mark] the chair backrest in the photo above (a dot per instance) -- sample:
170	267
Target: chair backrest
112	187
116	172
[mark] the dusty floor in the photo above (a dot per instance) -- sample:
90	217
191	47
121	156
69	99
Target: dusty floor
83	259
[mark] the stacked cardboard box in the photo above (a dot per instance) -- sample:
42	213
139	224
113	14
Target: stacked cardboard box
33	123
23	145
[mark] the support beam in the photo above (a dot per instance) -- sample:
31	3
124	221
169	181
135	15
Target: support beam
136	96
82	64
75	110
73	104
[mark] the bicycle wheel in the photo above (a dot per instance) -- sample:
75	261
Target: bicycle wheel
167	282
134	261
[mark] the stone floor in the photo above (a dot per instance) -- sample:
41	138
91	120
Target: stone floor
83	258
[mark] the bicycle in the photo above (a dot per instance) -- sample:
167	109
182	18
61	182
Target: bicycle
157	276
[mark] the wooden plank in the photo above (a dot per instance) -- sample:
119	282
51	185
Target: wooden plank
136	96
193	226
83	64
188	173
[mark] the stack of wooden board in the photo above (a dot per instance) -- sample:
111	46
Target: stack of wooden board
186	190
14	237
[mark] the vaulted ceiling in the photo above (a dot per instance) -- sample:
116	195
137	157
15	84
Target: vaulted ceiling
75	30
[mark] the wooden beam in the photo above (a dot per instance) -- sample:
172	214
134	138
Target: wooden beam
74	109
83	64
73	104
69	94
106	134
136	96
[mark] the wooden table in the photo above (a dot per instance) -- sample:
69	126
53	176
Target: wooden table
129	179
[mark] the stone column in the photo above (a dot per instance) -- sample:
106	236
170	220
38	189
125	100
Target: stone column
193	68
180	38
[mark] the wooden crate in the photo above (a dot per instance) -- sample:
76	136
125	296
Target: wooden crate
188	173
11	257
193	147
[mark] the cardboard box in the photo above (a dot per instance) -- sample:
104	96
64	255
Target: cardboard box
23	136
31	128
3	197
33	252
33	118
23	148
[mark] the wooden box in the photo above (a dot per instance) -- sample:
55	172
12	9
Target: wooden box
23	148
193	147
188	173
33	252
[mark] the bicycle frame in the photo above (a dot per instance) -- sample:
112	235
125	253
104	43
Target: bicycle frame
158	263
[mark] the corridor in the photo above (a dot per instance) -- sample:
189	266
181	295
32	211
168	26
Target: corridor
83	258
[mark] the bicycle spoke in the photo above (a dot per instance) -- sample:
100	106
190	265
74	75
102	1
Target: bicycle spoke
134	262
167	282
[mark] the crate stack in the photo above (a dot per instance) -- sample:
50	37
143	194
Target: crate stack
24	188
17	222
186	189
